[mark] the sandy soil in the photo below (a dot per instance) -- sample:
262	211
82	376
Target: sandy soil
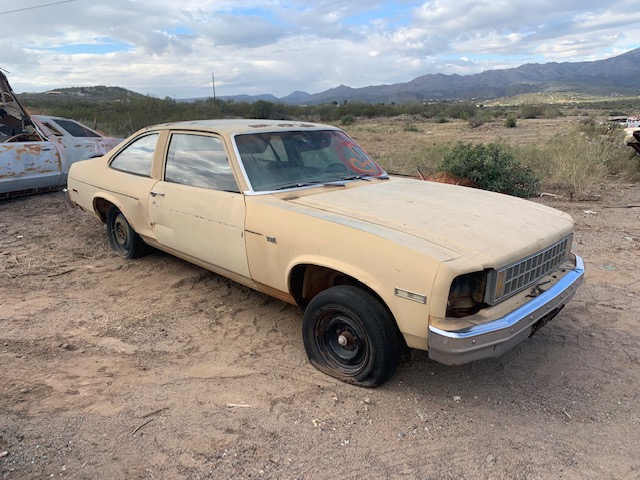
157	369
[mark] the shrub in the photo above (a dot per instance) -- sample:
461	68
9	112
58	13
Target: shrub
347	120
461	110
552	111
410	127
510	122
476	121
492	167
530	110
581	161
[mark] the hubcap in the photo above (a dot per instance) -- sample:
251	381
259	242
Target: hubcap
342	343
346	339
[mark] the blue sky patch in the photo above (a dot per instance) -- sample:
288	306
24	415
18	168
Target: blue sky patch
104	46
179	31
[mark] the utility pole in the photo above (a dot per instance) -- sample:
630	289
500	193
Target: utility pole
213	83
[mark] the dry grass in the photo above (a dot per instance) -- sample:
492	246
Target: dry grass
553	148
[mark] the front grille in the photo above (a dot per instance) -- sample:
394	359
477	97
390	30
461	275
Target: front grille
514	278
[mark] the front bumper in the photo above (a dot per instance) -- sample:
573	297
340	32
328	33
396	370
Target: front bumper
494	338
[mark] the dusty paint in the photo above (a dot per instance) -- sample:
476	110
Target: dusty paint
385	234
34	166
35	151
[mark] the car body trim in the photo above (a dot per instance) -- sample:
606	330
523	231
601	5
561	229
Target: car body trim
413	296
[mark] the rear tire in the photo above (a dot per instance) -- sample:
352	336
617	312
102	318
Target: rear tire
123	239
348	334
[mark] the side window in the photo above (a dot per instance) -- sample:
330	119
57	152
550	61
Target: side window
199	161
137	157
76	129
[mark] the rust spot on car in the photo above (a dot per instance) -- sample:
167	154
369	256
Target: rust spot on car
446	177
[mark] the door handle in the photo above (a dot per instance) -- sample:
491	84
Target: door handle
159	194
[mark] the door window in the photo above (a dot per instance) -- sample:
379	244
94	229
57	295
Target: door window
199	161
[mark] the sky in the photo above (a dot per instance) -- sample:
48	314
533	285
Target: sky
169	48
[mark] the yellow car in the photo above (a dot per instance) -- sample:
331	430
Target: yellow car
300	212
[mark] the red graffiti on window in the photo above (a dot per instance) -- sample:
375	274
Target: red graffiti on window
353	156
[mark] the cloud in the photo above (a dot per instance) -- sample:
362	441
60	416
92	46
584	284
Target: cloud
277	46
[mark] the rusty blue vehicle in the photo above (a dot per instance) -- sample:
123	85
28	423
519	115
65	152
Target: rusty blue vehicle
36	151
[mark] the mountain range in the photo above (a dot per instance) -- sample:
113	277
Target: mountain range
615	76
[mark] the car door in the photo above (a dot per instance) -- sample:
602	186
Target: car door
29	166
197	209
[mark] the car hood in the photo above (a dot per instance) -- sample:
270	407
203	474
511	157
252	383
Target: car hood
486	227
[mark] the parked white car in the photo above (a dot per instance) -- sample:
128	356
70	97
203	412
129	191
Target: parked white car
36	151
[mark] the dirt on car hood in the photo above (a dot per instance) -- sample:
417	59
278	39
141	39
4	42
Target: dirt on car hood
484	226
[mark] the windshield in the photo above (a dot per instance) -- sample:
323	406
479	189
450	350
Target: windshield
281	160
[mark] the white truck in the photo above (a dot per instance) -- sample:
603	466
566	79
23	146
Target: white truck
36	151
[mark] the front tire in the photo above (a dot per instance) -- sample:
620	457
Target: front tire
348	334
123	239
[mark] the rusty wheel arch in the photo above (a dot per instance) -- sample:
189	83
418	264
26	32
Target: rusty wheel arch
102	206
308	280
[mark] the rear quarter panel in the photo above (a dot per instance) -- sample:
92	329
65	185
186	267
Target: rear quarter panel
90	180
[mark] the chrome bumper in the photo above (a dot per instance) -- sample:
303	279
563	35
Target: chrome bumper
67	198
494	338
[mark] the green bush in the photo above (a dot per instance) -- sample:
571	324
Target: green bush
492	167
510	122
347	120
530	110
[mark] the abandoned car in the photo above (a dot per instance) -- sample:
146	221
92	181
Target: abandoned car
36	151
632	136
300	212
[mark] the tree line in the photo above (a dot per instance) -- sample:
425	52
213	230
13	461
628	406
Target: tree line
126	114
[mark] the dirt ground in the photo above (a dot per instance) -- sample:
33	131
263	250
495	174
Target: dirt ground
157	369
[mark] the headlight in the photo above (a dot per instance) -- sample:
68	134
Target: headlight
466	296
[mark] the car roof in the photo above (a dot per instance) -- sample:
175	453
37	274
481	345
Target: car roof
235	126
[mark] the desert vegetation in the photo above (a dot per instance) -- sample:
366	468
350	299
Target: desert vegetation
516	147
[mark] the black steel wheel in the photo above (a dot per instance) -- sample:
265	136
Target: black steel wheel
350	335
123	239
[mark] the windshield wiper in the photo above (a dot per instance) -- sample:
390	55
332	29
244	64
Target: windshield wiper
356	177
311	183
365	177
